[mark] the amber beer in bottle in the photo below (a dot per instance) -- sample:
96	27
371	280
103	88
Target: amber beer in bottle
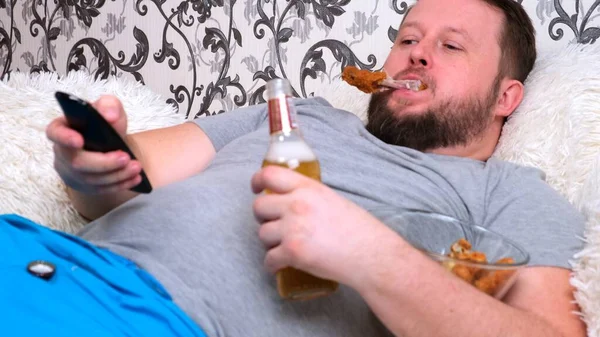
287	148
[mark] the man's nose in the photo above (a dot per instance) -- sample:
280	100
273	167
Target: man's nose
420	55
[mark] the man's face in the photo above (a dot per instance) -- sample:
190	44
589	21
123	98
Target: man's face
452	46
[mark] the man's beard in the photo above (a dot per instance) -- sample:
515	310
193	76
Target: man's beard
448	124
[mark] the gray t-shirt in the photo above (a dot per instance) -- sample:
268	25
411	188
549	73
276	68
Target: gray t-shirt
199	238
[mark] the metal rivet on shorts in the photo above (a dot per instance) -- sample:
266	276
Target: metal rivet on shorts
42	269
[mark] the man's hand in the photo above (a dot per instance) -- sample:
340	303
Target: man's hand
94	172
306	225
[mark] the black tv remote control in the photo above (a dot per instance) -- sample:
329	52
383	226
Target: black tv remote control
98	134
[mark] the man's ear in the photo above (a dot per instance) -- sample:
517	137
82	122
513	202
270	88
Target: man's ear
510	96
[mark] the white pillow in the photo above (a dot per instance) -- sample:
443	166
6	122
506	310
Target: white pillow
344	96
29	186
557	126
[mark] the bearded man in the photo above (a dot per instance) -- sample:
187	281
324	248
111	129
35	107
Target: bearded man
190	258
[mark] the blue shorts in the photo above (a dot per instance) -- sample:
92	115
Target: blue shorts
92	292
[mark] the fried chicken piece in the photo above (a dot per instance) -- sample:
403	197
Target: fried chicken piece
488	281
491	281
477	257
365	80
506	260
461	246
465	273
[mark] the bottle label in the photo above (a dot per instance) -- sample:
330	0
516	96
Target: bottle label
281	115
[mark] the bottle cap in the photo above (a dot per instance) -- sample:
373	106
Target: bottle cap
277	87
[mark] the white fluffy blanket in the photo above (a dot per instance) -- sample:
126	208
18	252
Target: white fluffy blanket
29	186
557	128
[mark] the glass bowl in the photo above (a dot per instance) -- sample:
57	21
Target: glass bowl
438	236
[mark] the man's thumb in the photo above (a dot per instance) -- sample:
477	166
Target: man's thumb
112	111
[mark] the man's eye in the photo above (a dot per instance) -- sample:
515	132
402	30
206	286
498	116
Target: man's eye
451	47
408	42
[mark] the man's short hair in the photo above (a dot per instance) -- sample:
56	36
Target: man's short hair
517	40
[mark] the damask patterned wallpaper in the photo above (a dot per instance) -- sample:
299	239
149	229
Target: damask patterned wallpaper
210	56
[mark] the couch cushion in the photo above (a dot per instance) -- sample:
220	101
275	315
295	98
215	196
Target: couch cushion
29	186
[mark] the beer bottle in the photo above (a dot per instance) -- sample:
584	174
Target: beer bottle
287	148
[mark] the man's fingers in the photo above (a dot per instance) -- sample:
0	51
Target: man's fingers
102	179
270	234
276	259
120	186
99	183
59	133
112	111
268	207
277	180
94	162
